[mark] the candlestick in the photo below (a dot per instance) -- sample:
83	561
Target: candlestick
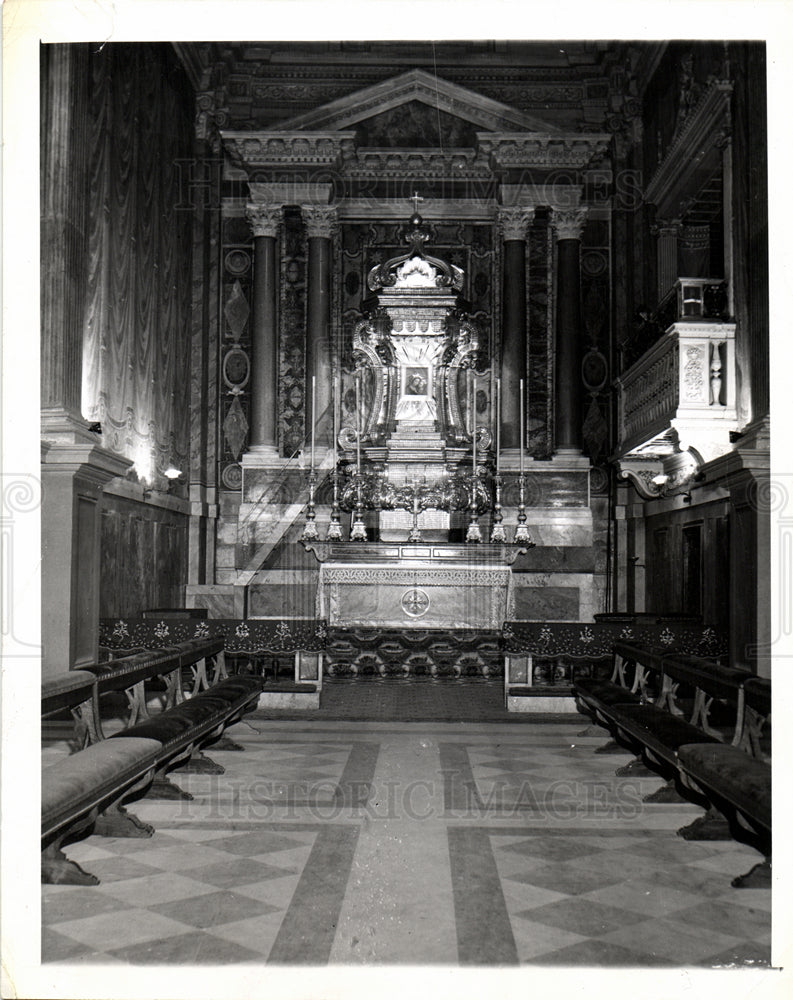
334	528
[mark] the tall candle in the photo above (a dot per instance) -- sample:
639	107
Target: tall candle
313	415
498	425
335	421
358	418
473	421
522	426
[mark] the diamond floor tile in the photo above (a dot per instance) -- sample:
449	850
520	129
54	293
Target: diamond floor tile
483	843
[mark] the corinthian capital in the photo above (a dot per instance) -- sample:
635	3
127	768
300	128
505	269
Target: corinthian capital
263	219
513	222
320	220
568	223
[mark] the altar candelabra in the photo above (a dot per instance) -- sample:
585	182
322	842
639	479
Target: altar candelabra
498	533
334	528
310	532
521	531
358	531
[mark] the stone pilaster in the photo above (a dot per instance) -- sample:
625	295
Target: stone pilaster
568	226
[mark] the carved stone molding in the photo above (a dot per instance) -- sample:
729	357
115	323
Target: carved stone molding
422	163
275	149
320	220
210	117
263	219
514	222
516	149
568	224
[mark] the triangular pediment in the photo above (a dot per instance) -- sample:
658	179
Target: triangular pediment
405	102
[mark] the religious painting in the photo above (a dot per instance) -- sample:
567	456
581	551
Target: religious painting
416	381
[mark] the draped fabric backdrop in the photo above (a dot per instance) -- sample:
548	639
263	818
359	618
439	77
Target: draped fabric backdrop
136	362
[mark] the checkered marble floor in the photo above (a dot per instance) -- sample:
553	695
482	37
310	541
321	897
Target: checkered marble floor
381	843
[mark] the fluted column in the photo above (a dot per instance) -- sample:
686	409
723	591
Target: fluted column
264	221
568	226
513	224
320	222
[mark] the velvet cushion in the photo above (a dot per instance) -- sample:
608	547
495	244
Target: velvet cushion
235	687
171	724
658	729
193	650
75	784
697	671
732	774
604	692
66	690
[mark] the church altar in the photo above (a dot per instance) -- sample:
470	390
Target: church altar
432	586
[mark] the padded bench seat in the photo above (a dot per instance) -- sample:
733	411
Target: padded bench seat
659	731
743	781
66	690
77	784
183	724
594	692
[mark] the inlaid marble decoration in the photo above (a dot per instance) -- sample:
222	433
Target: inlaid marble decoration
236	308
596	321
540	338
292	334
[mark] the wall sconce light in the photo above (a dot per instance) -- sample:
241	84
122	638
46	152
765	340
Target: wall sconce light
661	479
172	473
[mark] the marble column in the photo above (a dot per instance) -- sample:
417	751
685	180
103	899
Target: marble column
513	224
75	466
264	221
568	226
320	222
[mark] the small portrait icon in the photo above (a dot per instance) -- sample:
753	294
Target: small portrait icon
415	382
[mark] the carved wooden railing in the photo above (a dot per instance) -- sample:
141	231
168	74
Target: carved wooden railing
685	383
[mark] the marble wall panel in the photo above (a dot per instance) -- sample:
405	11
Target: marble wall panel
547	603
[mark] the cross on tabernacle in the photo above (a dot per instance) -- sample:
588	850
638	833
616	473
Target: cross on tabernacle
415	199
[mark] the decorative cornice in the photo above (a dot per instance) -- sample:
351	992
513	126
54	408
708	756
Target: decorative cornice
513	222
700	136
568	224
263	219
277	149
320	220
572	150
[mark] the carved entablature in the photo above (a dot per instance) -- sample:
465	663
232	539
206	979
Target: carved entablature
250	150
515	149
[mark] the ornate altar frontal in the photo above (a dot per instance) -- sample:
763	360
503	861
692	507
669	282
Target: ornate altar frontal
415	586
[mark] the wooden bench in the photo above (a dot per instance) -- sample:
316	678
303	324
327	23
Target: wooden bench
88	787
736	778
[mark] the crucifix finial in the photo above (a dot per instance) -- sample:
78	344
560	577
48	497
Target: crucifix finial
416	199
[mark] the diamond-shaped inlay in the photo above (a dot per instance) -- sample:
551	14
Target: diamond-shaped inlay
236	310
235	427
